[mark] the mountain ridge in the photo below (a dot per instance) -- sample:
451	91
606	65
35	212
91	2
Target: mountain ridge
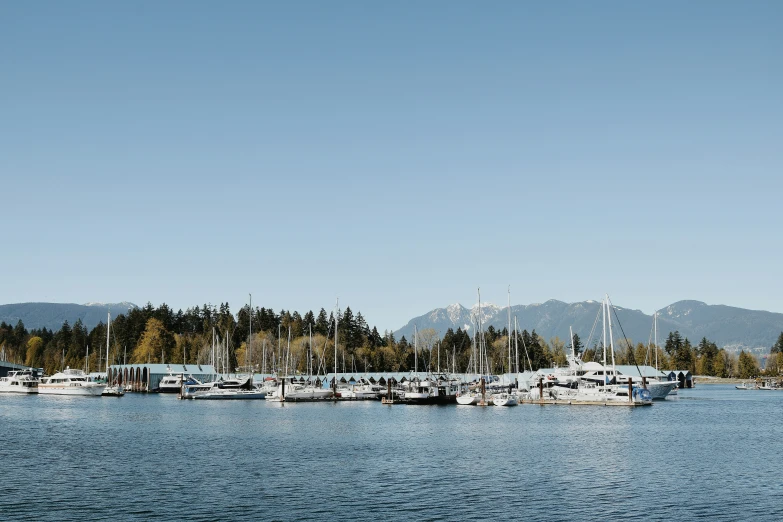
51	316
731	327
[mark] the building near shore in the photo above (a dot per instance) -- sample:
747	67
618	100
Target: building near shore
683	377
147	377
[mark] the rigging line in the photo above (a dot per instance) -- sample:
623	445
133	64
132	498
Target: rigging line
630	348
592	331
527	355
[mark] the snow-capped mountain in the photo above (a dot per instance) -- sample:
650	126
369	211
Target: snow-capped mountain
729	327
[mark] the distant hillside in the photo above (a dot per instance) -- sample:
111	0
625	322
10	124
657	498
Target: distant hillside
53	315
729	327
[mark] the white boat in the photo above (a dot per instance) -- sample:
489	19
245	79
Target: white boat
295	391
70	382
222	389
504	399
114	390
170	384
743	386
601	383
660	389
229	394
357	391
468	398
19	381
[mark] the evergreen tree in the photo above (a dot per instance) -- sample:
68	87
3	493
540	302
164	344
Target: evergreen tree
748	366
778	346
673	343
578	348
322	323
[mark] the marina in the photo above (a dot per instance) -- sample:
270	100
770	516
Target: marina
375	450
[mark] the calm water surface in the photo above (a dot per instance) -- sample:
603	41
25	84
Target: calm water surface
712	453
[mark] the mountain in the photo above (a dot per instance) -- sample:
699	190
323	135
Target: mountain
729	327
53	315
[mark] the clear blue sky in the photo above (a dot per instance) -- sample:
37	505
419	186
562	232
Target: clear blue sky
395	155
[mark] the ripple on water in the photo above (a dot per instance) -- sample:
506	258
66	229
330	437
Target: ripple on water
706	455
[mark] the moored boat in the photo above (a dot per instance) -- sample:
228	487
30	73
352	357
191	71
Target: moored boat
70	382
504	399
19	381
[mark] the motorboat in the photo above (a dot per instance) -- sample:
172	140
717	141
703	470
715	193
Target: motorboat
230	394
222	389
358	391
298	391
428	391
19	381
114	390
595	393
70	382
743	386
170	383
504	399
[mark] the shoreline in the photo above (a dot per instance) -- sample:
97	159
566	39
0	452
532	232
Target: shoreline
704	379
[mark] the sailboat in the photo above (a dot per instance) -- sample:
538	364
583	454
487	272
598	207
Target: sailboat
230	389
476	394
600	382
113	388
659	389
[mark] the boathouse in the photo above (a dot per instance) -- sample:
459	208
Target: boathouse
147	377
683	377
6	367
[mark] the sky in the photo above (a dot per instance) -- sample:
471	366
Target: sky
395	155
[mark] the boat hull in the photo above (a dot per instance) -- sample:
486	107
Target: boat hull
467	399
229	395
89	391
659	390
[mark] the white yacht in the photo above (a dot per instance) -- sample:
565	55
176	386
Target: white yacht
296	391
70	382
170	384
504	399
19	381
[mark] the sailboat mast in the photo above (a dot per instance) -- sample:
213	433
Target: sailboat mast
655	324
516	346
310	354
336	320
415	350
509	329
573	350
603	313
611	340
481	337
288	350
250	341
108	327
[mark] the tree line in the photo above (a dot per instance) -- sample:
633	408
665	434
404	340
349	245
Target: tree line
294	342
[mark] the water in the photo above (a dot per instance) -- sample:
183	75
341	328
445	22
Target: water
712	453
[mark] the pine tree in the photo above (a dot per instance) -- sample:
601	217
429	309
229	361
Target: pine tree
778	346
322	323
